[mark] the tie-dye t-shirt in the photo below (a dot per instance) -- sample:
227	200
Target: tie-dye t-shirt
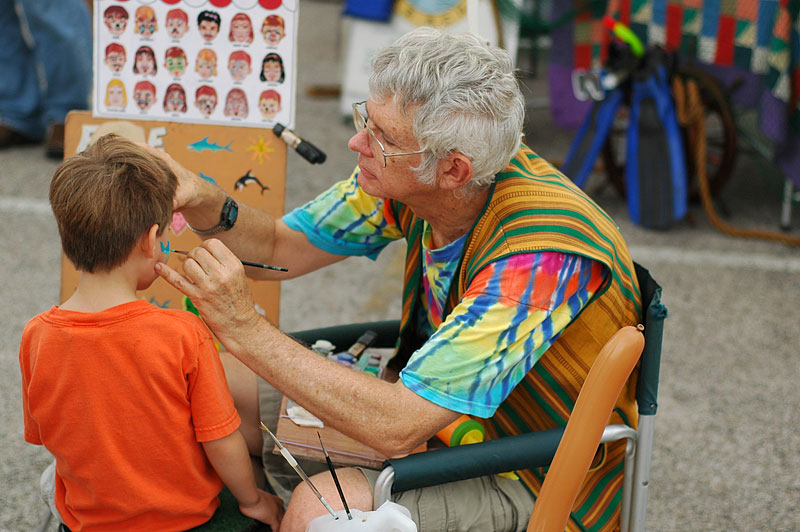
511	313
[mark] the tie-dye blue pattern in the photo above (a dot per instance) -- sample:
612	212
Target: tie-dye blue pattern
493	337
345	221
438	268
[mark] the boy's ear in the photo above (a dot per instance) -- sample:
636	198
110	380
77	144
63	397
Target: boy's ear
456	171
148	241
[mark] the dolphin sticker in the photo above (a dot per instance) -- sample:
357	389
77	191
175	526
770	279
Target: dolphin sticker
248	178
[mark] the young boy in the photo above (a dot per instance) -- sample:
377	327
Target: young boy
131	399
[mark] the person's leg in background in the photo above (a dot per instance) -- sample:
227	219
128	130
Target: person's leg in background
46	68
20	103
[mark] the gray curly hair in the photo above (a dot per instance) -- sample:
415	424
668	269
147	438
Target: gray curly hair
465	96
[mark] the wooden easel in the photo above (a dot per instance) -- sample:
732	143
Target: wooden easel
223	154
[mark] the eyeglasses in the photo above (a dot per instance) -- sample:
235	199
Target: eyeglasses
360	123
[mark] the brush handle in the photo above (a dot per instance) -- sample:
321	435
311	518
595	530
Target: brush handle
246	263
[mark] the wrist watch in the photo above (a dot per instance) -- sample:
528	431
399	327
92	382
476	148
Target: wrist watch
227	218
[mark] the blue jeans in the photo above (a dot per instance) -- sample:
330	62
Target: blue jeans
45	62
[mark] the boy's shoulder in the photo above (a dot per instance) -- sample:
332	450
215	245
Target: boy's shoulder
141	315
179	317
180	327
37	321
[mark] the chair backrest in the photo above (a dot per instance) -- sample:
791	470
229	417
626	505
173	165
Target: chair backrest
637	476
584	429
653	315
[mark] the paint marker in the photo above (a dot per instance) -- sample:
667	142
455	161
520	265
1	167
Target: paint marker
307	151
335	478
358	348
292	462
246	263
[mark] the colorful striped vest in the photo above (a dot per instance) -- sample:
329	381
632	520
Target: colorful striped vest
533	207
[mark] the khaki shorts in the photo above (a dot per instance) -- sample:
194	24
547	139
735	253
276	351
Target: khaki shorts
490	504
484	504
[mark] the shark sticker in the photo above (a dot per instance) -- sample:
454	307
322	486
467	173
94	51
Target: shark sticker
247	179
208	178
205	145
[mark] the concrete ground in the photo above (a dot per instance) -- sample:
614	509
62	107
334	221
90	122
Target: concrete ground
726	451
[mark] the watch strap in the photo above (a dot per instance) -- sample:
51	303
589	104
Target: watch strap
227	218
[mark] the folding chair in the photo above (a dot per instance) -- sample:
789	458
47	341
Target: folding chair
585	427
534	449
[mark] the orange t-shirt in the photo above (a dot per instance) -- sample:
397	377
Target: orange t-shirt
122	399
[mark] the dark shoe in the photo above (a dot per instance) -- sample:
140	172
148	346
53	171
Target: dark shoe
54	143
11	137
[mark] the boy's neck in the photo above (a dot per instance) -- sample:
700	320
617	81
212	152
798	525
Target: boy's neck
100	291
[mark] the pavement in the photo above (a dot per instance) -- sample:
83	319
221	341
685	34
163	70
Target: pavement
726	440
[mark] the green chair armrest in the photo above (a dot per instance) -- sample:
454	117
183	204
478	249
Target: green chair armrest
449	464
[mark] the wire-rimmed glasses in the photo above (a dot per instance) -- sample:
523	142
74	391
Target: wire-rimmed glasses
360	123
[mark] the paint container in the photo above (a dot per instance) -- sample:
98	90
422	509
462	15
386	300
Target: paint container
323	347
345	358
389	517
462	431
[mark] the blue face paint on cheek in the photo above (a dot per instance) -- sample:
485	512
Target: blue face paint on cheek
165	248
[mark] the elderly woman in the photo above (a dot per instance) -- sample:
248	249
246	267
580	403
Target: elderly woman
514	280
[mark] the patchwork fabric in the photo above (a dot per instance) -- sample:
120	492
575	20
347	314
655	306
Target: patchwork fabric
759	36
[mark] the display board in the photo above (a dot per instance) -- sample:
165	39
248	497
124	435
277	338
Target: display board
219	62
249	164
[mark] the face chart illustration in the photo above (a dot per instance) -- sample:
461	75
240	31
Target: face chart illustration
220	62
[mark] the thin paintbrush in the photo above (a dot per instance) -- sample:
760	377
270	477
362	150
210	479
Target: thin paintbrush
335	478
246	263
292	462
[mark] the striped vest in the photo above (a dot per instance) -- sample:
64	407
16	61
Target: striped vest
533	207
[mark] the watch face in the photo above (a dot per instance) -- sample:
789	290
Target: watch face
229	213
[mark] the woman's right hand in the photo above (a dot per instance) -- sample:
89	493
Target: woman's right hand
191	187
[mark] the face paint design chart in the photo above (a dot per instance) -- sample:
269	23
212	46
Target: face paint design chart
221	62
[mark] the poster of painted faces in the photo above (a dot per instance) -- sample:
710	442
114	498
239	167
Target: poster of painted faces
223	62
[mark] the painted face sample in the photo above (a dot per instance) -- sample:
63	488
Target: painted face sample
115	61
176	27
144	98
208	30
269	107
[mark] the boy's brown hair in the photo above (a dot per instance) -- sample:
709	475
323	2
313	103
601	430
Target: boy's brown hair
105	198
